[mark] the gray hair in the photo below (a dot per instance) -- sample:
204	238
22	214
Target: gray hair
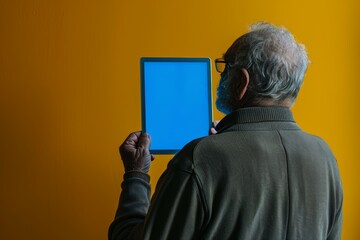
275	61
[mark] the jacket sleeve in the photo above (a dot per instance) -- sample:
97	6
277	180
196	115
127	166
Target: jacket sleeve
133	206
176	210
335	233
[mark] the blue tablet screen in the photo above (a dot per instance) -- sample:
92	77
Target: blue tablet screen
176	102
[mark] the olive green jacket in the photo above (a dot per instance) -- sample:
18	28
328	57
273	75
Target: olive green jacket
259	177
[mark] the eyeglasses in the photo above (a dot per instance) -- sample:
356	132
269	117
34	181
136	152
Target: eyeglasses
221	65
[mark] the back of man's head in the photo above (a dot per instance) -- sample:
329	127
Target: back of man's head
275	62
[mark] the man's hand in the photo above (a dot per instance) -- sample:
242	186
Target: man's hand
213	130
135	152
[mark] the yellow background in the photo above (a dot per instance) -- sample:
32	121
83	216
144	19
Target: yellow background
70	94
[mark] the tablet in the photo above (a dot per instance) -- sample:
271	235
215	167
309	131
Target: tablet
176	101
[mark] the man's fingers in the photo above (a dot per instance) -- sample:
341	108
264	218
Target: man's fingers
212	131
215	123
144	140
133	137
130	142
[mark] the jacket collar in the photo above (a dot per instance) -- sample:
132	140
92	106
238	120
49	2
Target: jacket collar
256	115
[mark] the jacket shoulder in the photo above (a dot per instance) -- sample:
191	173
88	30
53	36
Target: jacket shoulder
320	141
184	159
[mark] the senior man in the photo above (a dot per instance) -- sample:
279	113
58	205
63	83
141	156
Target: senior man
258	176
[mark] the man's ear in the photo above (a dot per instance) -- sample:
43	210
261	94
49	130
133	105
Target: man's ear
243	84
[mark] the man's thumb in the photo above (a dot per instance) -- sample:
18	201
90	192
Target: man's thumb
144	140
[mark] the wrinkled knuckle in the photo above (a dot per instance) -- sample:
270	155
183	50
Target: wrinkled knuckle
121	148
142	148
